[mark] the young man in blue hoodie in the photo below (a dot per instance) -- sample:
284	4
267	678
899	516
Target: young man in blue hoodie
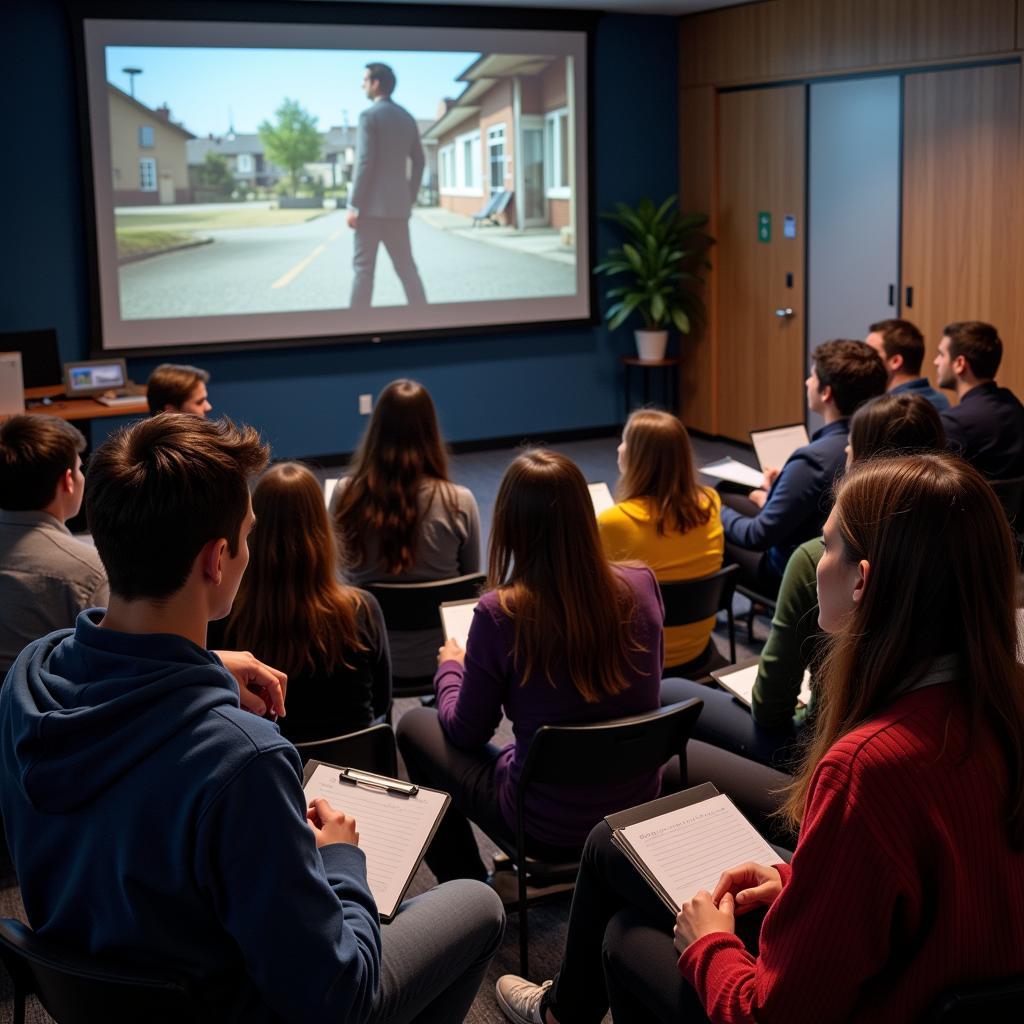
153	821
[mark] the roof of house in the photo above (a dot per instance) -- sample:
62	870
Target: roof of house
155	114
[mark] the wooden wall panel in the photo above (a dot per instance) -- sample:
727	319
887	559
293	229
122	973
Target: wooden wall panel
697	194
960	203
787	38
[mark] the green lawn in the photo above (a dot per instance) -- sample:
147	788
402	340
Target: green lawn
210	220
144	242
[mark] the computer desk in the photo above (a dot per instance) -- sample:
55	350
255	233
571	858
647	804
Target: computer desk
78	408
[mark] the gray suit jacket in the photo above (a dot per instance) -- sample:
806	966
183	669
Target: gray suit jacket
388	138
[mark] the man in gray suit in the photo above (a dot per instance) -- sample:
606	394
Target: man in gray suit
384	189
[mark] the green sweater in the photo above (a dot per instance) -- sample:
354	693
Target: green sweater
793	644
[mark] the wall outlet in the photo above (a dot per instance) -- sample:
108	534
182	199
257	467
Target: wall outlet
365	405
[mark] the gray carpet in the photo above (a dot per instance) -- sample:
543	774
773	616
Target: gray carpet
481	472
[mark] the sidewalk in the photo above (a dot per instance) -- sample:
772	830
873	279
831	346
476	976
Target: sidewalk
543	242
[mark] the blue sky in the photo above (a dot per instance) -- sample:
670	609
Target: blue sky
205	86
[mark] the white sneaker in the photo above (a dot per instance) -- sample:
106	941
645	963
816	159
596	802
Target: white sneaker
519	999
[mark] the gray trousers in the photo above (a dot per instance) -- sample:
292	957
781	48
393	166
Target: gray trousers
393	232
435	954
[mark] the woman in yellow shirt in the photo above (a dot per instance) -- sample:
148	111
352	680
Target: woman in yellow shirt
667	521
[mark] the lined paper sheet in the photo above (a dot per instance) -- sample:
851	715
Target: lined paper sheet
741	684
736	472
329	486
687	850
601	497
456	617
774	447
392	829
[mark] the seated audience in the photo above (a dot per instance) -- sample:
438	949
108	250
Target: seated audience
292	612
986	427
901	347
173	388
561	636
763	529
665	520
897	423
156	823
399	516
908	877
46	576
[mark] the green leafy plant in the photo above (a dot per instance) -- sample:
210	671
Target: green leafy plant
293	142
663	252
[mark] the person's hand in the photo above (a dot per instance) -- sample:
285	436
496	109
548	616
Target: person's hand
261	689
331	826
352	219
452	651
752	885
771	474
700	917
758	497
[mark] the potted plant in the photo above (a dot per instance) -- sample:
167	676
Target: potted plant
662	251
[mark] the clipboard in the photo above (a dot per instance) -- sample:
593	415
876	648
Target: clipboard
774	445
456	617
393	839
739	680
601	497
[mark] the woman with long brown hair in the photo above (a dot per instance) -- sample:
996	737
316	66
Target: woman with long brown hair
399	516
908	877
666	520
560	636
293	612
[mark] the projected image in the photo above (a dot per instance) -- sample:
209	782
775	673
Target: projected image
253	181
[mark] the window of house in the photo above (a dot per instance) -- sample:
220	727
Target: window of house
556	154
496	157
145	136
147	174
244	163
460	166
446	159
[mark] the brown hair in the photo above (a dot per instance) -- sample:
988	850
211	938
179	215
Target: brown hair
853	370
35	453
927	595
382	74
160	489
170	384
553	580
400	451
898	424
979	343
659	466
901	338
291	610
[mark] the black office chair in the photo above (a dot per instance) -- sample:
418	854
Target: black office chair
688	601
1010	493
755	599
78	988
414	606
372	750
997	1002
590	755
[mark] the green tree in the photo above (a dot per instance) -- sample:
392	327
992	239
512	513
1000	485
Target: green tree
293	141
215	176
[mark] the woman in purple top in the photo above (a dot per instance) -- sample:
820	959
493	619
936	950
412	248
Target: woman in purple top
560	636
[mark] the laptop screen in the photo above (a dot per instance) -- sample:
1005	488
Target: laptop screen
87	378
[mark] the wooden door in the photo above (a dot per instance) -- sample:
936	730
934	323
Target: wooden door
960	206
762	168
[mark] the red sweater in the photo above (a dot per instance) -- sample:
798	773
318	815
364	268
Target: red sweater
903	883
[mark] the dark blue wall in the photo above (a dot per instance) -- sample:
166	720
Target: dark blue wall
305	399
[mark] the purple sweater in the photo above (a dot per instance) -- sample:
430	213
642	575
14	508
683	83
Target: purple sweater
470	701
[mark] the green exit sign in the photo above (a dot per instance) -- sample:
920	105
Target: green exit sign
764	226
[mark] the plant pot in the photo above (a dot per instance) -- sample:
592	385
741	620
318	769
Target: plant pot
651	345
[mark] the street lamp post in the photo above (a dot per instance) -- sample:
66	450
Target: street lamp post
131	73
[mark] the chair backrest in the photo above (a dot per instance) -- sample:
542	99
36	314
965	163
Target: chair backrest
996	1002
408	606
78	988
504	198
609	751
689	601
371	749
1011	496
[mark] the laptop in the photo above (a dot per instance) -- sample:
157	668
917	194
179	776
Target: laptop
106	380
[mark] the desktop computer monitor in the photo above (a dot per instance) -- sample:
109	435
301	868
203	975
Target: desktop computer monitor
40	359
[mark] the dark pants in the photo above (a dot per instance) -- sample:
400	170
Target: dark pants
394	233
617	921
468	775
756	572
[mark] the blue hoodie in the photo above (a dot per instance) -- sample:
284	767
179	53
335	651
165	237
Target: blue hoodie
152	820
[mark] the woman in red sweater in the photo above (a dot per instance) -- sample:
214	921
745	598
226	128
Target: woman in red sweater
908	878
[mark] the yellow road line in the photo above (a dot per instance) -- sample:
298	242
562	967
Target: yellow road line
299	267
335	236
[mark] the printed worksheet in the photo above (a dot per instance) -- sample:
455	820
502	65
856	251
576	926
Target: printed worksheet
601	496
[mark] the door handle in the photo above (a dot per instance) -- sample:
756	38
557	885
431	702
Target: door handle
784	314
910	298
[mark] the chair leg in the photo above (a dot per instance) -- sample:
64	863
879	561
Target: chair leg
732	634
19	1004
750	624
524	936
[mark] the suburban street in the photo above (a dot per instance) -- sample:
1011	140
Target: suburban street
308	266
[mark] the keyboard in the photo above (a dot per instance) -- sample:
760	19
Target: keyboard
116	402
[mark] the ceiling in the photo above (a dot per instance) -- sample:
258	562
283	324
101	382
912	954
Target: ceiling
673	7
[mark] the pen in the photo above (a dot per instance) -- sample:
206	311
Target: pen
353	776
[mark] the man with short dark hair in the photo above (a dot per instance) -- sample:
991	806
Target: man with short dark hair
763	529
383	191
46	576
901	347
987	426
152	820
178	388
